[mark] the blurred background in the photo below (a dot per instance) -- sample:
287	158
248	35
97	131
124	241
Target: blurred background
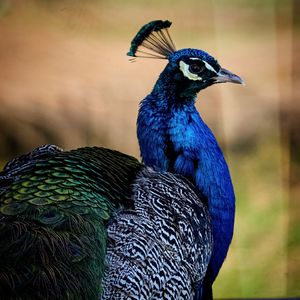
65	79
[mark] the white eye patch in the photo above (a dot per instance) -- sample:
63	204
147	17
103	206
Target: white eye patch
185	70
207	65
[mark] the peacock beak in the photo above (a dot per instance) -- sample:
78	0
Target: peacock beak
226	76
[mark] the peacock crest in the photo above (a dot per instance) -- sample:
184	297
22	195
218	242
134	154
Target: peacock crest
152	41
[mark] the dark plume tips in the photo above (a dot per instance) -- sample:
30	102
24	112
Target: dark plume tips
155	37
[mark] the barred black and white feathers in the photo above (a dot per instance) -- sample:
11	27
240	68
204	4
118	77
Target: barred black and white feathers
161	248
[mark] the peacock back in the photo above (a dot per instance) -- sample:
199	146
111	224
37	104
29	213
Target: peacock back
54	209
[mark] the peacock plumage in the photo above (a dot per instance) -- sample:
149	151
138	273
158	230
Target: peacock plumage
173	137
69	220
54	206
167	252
94	223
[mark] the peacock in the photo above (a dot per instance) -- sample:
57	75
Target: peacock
94	223
173	137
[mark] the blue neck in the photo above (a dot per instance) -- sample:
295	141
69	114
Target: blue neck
173	137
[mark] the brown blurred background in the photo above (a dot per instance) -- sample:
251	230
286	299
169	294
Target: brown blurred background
65	79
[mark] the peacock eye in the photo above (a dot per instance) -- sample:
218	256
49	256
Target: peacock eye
196	68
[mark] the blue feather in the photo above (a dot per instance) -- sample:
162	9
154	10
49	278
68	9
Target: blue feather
173	137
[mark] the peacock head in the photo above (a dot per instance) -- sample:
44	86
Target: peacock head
191	70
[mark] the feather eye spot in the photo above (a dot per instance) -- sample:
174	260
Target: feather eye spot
13	208
51	217
39	201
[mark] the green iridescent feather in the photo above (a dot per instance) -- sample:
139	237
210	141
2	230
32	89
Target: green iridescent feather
53	214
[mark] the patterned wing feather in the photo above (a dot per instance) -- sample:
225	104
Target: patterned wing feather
54	207
161	249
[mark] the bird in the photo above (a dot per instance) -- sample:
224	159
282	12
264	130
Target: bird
94	223
173	136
